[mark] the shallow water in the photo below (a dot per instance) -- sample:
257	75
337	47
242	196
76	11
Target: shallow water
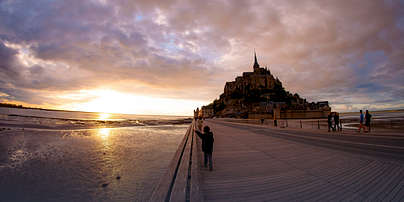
72	165
84	115
62	120
375	115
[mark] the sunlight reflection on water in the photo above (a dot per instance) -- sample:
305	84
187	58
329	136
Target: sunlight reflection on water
52	165
104	133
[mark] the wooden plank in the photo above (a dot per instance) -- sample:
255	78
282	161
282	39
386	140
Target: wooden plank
253	167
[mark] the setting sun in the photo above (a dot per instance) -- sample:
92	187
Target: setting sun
104	116
111	101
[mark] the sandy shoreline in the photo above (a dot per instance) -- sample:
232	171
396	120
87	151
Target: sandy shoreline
73	163
20	121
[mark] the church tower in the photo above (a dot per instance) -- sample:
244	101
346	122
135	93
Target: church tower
256	65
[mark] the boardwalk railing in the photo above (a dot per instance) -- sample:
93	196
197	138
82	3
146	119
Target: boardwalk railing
288	123
181	182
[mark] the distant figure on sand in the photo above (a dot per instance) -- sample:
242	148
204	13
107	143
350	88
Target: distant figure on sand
207	145
361	119
368	116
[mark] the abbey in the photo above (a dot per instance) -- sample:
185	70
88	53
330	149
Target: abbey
258	94
260	78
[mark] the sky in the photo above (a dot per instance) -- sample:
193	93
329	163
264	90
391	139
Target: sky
171	56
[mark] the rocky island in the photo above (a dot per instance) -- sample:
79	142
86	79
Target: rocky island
258	94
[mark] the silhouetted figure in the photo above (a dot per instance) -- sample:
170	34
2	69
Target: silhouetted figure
367	120
336	122
333	122
207	145
361	119
262	121
329	121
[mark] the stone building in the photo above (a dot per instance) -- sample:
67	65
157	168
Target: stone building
258	94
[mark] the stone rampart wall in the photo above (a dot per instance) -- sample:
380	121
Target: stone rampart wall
293	114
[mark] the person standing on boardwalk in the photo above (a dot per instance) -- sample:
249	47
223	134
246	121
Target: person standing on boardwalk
361	119
329	121
336	121
333	121
207	145
367	120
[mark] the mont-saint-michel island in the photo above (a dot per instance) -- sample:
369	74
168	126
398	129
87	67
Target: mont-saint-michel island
201	101
260	95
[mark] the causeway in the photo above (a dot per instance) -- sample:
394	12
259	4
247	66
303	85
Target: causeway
258	163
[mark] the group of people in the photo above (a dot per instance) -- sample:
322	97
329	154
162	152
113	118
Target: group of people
364	121
334	122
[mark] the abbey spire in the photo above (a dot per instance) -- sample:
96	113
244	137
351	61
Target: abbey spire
256	65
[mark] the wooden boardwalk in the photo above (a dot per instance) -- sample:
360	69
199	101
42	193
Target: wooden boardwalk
253	165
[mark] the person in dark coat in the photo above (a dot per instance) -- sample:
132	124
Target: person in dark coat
329	121
367	120
207	145
336	122
361	119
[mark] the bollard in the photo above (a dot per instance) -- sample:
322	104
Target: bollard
318	124
301	124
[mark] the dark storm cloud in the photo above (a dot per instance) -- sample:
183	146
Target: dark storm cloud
343	51
7	62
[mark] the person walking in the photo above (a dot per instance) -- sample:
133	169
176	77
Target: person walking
207	145
333	121
336	121
329	121
361	119
367	120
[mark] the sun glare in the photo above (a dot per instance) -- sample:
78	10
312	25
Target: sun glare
110	101
103	116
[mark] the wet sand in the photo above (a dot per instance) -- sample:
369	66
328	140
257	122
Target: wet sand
59	159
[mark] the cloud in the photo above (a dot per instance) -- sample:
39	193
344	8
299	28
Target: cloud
347	52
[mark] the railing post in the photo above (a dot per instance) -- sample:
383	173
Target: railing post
318	124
